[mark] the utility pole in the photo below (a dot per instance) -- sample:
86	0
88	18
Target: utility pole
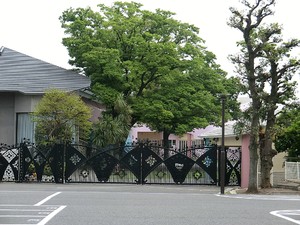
222	158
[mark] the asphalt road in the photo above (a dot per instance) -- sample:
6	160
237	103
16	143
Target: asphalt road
119	204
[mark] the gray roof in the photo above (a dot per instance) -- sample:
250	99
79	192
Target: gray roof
28	75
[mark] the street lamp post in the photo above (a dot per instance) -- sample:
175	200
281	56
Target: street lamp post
222	159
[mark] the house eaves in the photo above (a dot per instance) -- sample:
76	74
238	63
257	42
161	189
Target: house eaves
217	132
25	74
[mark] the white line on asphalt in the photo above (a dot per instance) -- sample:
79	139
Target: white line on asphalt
19	216
14	205
51	215
281	213
46	199
25	210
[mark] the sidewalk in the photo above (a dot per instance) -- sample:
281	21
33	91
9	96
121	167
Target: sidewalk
289	184
284	188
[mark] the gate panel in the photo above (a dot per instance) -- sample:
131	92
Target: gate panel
132	160
55	161
179	165
160	175
198	176
74	159
3	166
39	161
233	166
142	164
150	160
208	162
25	161
103	165
9	163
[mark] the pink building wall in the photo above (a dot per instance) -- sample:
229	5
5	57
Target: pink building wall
245	156
245	165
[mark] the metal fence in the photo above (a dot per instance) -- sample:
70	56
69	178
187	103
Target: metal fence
292	170
140	163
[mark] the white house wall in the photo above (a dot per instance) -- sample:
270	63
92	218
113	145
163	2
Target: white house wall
26	103
11	104
230	141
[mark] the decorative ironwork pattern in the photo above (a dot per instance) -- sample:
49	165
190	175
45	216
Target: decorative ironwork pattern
208	161
75	159
8	163
179	165
103	165
233	166
143	163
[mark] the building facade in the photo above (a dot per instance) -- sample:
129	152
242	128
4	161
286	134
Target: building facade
23	81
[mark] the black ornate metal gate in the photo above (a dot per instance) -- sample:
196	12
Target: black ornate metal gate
140	163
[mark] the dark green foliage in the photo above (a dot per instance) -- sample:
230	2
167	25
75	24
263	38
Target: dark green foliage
157	63
288	138
59	115
114	126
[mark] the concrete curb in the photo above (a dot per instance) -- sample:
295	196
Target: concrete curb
287	187
289	184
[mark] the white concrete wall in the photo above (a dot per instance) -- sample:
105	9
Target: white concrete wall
26	103
11	104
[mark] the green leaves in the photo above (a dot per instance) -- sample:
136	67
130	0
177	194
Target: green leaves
59	116
114	126
288	134
158	64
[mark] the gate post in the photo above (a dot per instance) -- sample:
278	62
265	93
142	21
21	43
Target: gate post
20	163
141	165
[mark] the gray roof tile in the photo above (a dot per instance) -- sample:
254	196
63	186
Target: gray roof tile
28	75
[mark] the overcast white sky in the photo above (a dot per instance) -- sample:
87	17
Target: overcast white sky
32	26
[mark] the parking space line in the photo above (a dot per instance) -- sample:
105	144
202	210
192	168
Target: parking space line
47	199
37	214
51	215
34	215
18	216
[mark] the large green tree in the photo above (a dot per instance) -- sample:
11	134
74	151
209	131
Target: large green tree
279	71
126	49
187	102
288	135
266	68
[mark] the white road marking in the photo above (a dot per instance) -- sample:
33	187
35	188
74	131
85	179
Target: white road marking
283	214
25	210
19	216
39	214
51	215
29	214
47	199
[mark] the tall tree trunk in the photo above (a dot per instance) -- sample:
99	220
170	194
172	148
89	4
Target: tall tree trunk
266	151
166	146
253	146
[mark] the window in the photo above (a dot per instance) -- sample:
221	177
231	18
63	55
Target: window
25	128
